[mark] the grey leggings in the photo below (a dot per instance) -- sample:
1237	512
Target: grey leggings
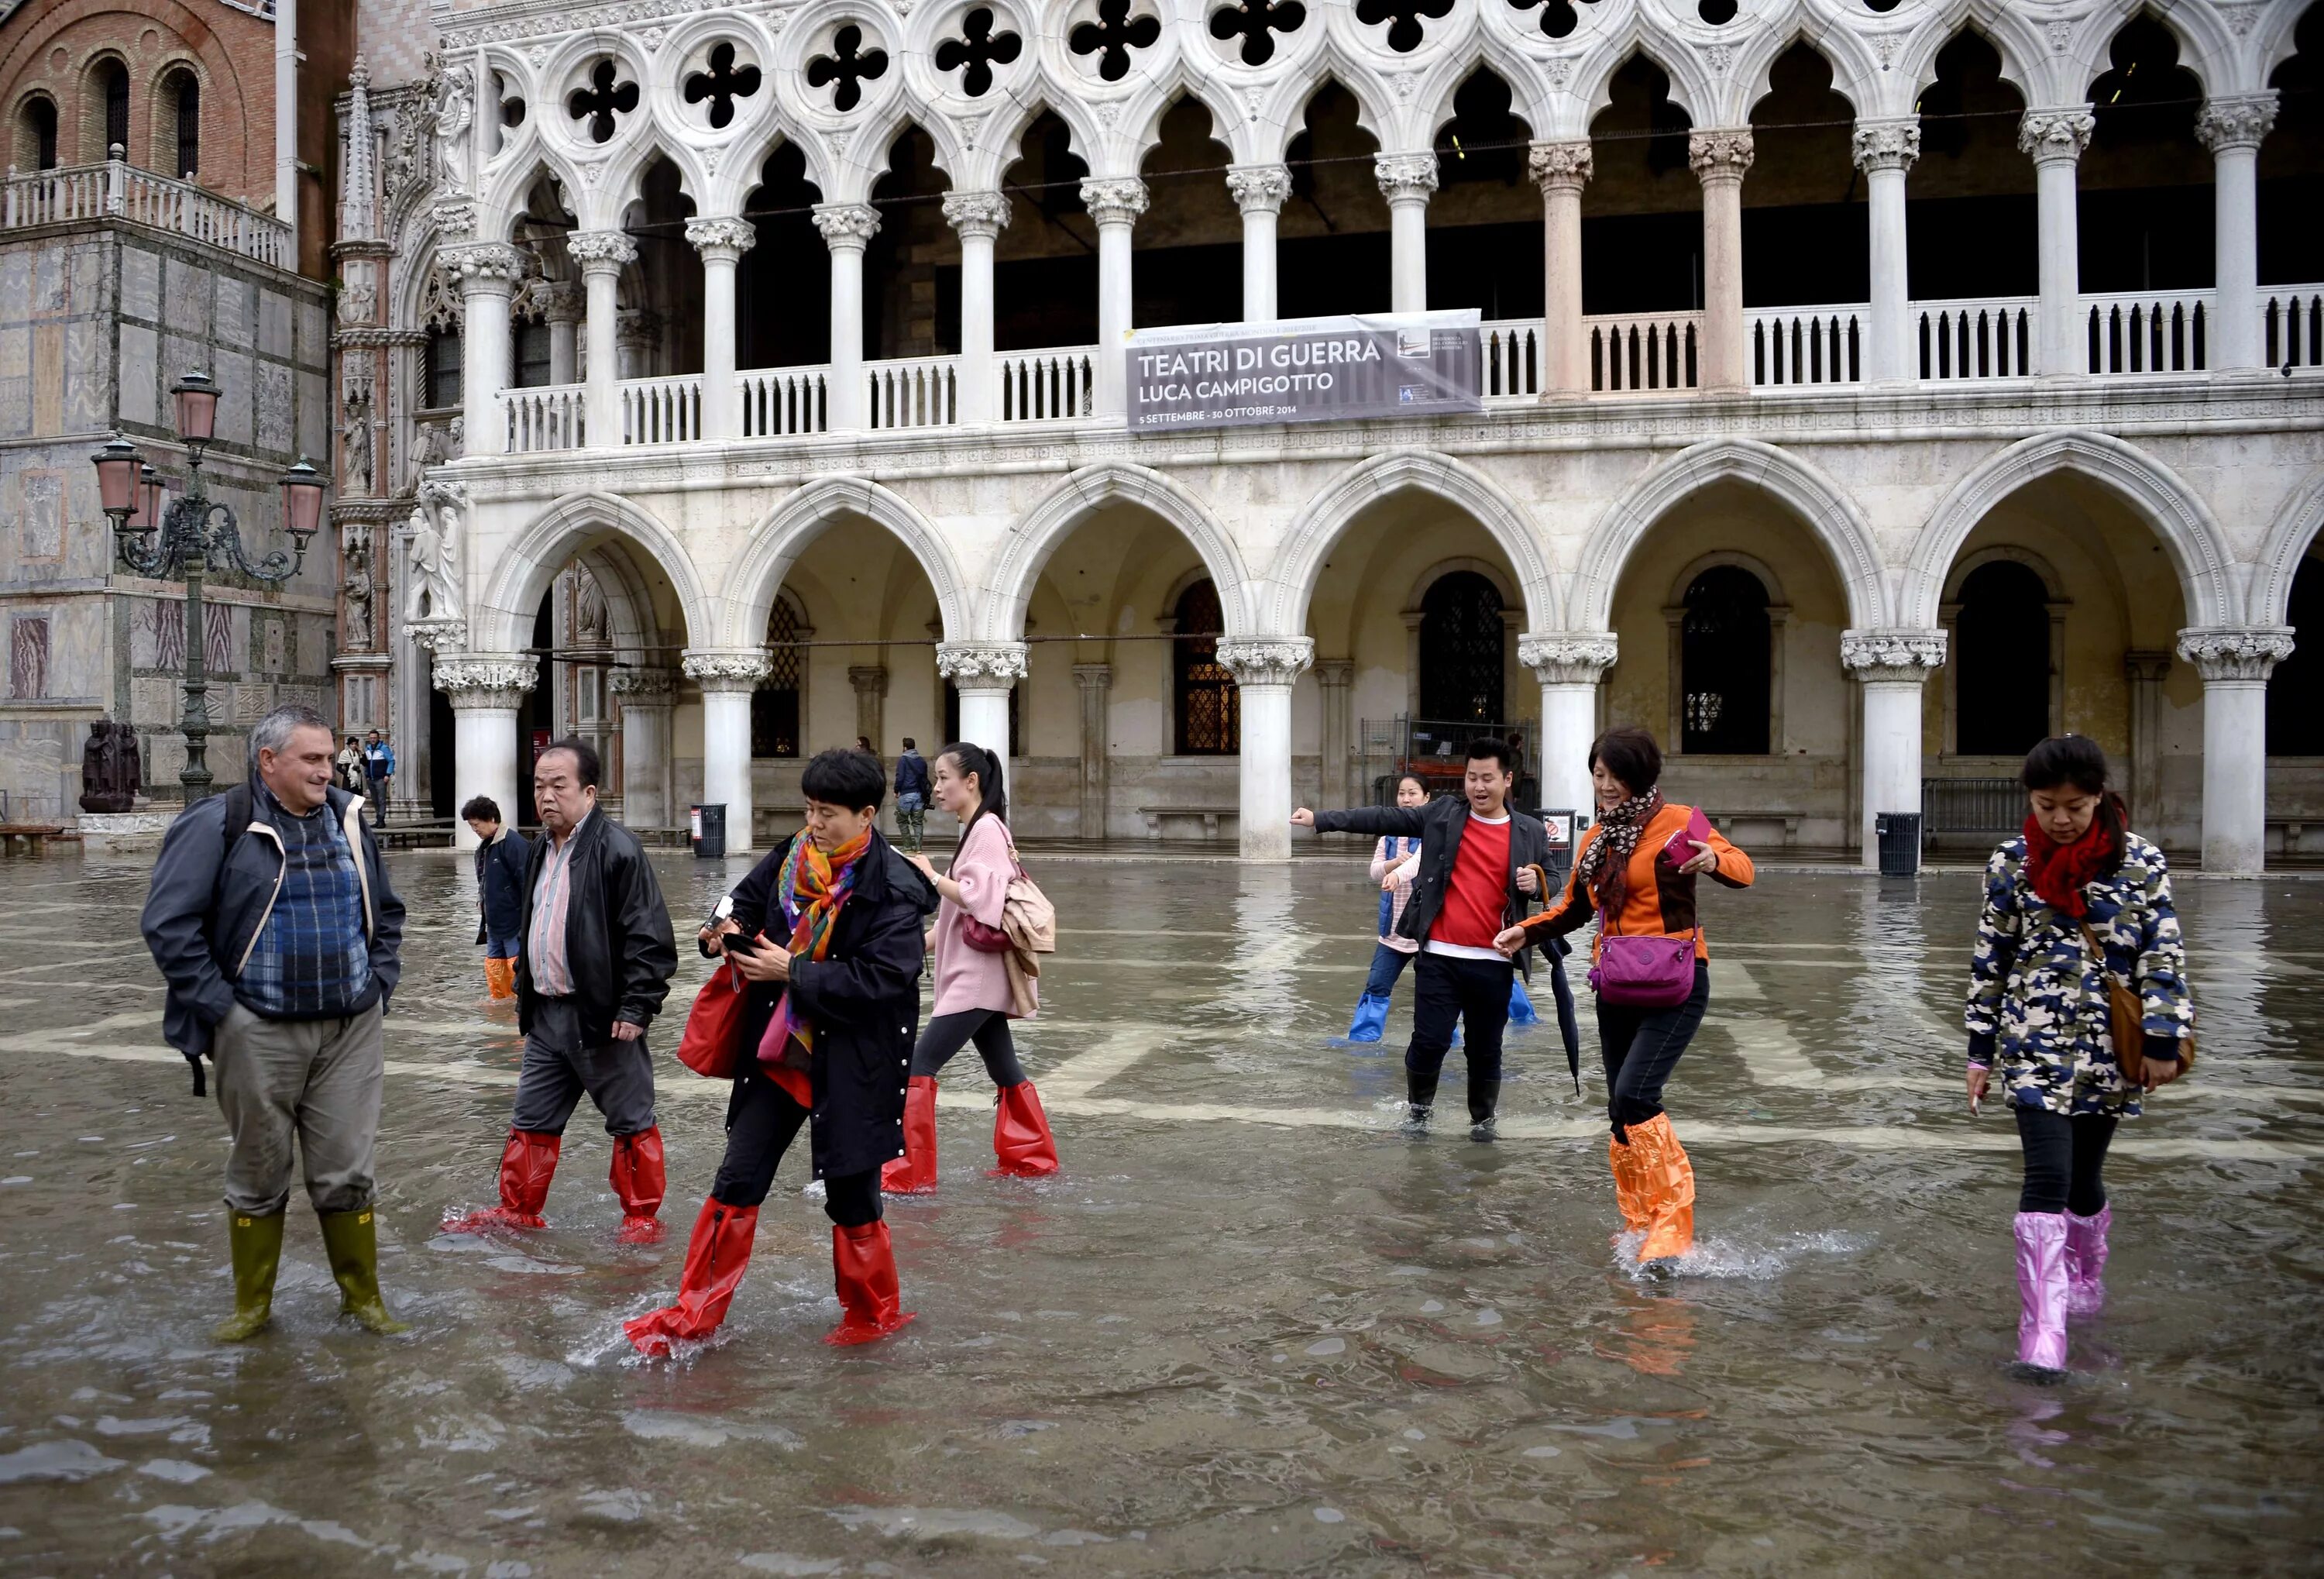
946	1034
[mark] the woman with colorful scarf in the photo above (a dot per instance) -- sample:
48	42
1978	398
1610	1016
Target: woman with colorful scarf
835	915
2074	898
1628	875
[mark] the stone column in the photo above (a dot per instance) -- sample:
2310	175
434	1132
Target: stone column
2235	665
601	255
1336	678
1095	683
2146	671
486	688
847	229
487	272
722	244
1562	169
1720	158
1114	204
648	696
2055	138
1265	670
977	218
2233	129
562	305
984	672
1406	181
1884	151
1569	666
1893	668
727	678
871	684
1259	190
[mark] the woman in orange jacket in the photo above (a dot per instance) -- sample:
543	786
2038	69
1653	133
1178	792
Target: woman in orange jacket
1635	873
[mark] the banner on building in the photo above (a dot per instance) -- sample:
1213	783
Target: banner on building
1304	370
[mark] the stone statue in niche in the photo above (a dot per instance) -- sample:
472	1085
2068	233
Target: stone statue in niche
455	116
358	589
111	769
434	556
356	433
588	610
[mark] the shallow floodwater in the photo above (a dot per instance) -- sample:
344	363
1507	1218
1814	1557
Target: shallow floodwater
1252	1327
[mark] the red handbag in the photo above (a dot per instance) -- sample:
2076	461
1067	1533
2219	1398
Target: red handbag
713	1043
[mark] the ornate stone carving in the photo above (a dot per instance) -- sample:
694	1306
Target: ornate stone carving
593	251
356	587
745	670
452	114
112	772
432	560
1115	200
354	431
561	302
971	665
1405	175
480	266
487	679
1275	661
1561	165
1890	143
1723	155
1890	657
722	237
984	214
359	198
846	224
2241	120
1261	186
445	636
643	687
2247	654
2049	135
1573	659
454	216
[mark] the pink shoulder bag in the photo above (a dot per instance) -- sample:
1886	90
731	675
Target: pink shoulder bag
1643	972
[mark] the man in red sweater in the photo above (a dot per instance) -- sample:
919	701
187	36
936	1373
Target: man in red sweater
1480	858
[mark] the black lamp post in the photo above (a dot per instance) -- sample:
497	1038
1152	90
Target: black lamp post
196	536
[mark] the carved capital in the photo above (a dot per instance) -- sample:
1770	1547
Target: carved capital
870	679
981	665
1405	176
1274	661
447	635
1890	657
600	252
1888	143
722	238
487	679
1720	154
561	302
743	671
1258	188
846	225
1115	200
1561	166
984	214
2248	654
1569	657
2239	121
483	267
1094	676
454	215
1335	673
643	687
2050	135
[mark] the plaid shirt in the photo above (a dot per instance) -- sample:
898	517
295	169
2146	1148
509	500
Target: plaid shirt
544	945
312	960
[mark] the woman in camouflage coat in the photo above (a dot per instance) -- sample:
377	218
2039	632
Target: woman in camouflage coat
2038	1013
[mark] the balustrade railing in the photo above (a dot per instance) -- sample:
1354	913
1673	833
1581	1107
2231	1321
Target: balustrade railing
544	417
119	191
661	410
1509	357
1047	387
779	401
1806	345
1632	352
916	391
2292	321
2148	331
1989	339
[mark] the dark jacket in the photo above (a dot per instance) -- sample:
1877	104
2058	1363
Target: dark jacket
618	946
501	867
1439	825
211	893
862	998
912	774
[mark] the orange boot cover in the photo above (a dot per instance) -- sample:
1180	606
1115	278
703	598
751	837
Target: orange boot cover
638	1185
1624	1161
1020	1133
863	1269
528	1163
715	1258
1666	1186
499	977
914	1172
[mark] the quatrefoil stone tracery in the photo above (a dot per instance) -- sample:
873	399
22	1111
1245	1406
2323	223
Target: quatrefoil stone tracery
1112	36
847	67
604	98
722	85
1558	17
977	51
1257	21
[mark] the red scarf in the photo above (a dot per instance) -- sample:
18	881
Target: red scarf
2058	871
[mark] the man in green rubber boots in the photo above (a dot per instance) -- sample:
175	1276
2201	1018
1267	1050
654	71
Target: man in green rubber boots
272	922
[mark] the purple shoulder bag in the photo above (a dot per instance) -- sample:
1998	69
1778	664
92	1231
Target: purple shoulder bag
1643	972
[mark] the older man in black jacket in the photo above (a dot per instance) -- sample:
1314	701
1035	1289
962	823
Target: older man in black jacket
597	958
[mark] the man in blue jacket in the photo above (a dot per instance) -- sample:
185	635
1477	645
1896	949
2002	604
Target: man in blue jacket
501	854
379	770
273	924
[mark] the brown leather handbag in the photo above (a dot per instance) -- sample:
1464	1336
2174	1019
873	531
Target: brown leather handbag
2126	1017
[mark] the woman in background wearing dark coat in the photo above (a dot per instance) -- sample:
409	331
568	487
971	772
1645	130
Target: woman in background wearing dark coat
828	929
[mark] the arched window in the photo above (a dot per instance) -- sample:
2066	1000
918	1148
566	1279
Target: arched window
113	84
181	101
2295	702
2002	646
36	143
442	378
1726	659
1210	704
1462	643
775	705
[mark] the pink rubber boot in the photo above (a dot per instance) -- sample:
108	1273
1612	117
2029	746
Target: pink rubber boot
2086	1260
2042	1290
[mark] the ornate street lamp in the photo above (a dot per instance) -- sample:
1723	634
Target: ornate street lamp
196	536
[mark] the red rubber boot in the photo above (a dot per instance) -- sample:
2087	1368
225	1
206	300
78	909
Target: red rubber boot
1020	1133
715	1258
639	1183
914	1172
528	1163
863	1269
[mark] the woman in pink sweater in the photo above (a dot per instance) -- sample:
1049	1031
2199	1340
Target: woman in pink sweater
972	995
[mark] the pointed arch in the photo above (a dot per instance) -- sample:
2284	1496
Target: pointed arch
1811	495
500	618
1048	524
2004	28
1285	114
2288	541
1856	74
806	514
2179	518
1690	90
